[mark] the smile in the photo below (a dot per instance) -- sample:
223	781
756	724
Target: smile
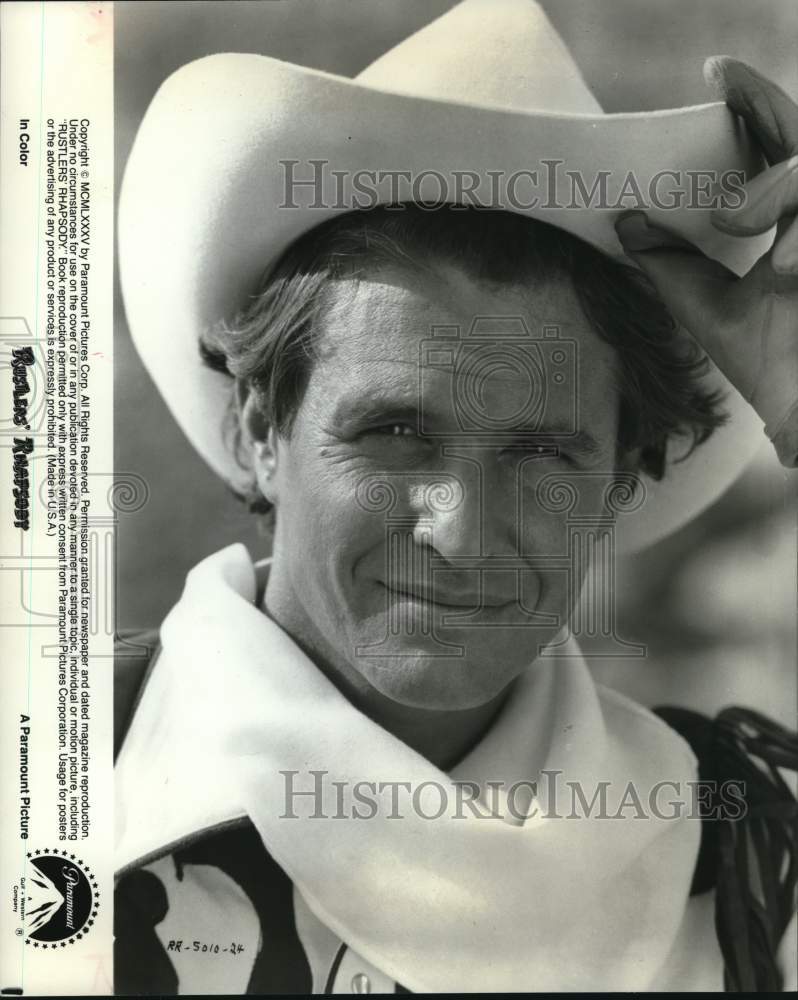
449	602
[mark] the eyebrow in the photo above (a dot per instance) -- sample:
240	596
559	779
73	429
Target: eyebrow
377	406
389	406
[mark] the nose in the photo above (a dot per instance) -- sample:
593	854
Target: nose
474	519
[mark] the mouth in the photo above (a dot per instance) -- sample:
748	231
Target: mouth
447	601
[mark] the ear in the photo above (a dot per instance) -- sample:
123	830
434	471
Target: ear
260	439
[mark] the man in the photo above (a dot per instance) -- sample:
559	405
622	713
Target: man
350	758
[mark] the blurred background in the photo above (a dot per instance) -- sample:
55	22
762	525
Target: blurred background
715	604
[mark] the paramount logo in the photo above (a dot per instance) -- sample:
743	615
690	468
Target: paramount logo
71	879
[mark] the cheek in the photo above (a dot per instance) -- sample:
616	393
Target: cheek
564	531
319	512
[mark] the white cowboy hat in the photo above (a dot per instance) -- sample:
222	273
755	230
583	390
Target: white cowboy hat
489	86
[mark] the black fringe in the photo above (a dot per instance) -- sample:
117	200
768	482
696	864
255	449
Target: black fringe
752	861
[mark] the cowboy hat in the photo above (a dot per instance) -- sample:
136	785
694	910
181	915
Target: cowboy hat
238	155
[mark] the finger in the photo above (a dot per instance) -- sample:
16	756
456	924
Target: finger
769	197
770	113
695	288
784	259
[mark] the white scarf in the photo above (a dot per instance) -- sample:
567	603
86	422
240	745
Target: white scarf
441	905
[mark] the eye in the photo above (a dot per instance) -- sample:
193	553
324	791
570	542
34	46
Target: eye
394	430
543	452
396	441
560	456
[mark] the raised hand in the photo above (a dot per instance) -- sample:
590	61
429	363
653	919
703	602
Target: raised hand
748	325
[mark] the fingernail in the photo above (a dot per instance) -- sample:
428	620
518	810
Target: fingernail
637	234
714	76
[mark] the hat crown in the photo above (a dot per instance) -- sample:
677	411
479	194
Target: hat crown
494	53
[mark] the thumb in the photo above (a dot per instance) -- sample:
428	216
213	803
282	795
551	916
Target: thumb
695	288
767	110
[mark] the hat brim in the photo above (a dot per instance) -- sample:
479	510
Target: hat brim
203	212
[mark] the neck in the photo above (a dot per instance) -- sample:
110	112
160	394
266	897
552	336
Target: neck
441	736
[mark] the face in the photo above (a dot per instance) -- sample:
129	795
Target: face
421	549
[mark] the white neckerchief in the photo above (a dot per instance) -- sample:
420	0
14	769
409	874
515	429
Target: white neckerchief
448	904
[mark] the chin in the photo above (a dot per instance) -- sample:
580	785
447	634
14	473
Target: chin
437	683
